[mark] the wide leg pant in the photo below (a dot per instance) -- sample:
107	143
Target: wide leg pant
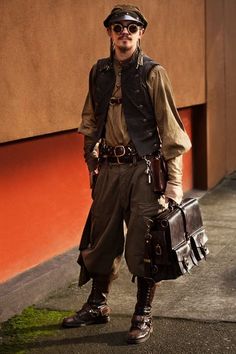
122	193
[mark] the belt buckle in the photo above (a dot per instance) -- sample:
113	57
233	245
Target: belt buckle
112	101
115	100
121	154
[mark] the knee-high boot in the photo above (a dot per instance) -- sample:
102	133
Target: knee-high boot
95	310
141	323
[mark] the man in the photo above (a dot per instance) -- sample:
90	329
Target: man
130	111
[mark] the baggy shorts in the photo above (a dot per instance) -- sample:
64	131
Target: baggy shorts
122	194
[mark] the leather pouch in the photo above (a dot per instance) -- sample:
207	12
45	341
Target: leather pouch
198	242
159	174
185	258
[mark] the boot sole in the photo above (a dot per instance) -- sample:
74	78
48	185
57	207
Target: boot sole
83	324
140	340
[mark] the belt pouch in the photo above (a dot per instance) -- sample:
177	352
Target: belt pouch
159	174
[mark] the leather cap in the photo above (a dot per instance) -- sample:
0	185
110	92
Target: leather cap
125	13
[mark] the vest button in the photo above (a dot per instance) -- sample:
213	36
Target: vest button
144	120
137	91
140	106
149	133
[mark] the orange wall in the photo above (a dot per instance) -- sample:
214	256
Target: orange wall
44	200
186	116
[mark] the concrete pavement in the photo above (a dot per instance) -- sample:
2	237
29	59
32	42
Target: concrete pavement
193	314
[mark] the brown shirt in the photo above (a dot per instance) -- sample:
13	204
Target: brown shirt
175	141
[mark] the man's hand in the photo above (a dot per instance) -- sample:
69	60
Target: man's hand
93	178
170	202
91	153
92	163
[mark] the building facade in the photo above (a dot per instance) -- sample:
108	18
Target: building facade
47	49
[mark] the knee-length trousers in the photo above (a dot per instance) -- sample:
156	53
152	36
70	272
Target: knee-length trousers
122	193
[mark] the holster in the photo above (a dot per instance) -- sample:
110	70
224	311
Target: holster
159	174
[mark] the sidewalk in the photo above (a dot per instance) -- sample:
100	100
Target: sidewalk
193	314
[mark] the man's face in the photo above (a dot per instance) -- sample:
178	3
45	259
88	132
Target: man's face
126	36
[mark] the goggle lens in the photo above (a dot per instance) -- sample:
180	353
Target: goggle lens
119	28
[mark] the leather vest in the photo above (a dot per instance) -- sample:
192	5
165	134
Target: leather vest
136	101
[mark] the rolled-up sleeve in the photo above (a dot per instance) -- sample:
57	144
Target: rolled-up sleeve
174	188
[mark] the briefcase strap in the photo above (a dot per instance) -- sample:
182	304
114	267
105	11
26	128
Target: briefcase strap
184	220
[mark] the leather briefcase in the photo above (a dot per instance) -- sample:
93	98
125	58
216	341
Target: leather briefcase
175	241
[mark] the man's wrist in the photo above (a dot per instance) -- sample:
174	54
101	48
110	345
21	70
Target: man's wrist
93	178
174	192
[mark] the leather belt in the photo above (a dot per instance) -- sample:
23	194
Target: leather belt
118	154
115	100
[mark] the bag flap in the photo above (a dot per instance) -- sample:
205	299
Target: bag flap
185	256
193	217
171	221
183	251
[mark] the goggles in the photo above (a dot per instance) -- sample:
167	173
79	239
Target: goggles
119	28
